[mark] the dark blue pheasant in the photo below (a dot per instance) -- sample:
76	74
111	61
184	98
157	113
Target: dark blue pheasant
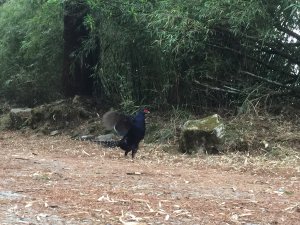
132	128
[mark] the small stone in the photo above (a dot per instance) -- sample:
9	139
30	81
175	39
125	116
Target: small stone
55	132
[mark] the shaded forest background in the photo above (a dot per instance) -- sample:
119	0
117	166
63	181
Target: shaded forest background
195	54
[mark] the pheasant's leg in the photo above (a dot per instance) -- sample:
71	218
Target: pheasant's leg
126	152
134	152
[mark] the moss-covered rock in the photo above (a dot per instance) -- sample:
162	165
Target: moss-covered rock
202	136
19	116
72	116
15	119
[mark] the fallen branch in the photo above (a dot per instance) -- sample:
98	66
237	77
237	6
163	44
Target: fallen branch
264	79
228	90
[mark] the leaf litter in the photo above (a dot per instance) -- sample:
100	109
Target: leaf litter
71	182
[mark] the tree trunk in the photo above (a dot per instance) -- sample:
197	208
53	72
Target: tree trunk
77	72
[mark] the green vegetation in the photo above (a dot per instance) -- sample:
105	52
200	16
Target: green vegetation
31	47
163	53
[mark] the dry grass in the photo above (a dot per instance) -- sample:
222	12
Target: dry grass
237	161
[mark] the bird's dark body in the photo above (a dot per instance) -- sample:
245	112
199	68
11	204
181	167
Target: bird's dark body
131	128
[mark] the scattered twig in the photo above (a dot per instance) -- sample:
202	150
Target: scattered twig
84	152
134	173
20	158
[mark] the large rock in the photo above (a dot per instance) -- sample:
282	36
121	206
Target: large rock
202	136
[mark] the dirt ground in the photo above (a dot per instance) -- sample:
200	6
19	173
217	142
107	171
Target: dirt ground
56	180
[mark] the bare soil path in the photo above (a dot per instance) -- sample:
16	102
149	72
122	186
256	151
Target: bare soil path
55	180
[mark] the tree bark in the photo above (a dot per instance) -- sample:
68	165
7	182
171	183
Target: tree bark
77	71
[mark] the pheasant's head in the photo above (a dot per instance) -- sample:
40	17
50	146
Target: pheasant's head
146	111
